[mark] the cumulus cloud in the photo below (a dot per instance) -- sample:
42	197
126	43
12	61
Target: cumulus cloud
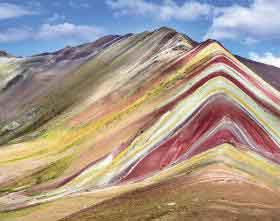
267	58
56	17
66	31
167	10
9	10
259	20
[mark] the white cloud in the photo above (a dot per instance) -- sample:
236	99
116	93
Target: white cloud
267	58
65	31
74	4
250	41
8	10
68	30
15	34
167	10
56	17
260	20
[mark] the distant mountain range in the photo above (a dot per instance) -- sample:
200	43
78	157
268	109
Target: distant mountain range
148	126
4	54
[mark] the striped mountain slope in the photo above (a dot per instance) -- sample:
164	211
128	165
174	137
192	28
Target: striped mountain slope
142	126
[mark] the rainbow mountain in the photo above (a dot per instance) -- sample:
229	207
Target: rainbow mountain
148	126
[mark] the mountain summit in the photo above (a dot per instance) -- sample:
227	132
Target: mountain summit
4	54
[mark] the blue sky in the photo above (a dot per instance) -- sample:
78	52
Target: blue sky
250	28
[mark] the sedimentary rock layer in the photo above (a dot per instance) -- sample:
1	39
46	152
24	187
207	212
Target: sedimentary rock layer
151	121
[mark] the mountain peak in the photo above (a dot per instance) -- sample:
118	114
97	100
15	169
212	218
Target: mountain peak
165	28
4	54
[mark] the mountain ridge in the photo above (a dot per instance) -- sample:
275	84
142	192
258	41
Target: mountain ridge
5	54
155	116
268	72
103	38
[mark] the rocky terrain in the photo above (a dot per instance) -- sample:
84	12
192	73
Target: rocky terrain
148	126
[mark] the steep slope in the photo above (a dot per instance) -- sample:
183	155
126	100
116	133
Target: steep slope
126	118
268	72
33	84
59	82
